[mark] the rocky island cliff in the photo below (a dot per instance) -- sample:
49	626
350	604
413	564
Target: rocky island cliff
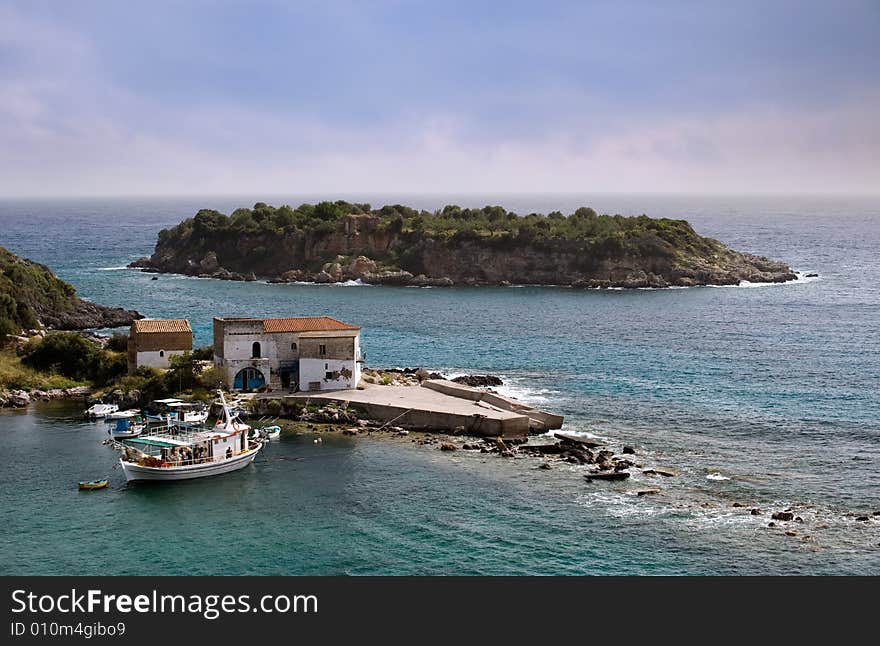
31	296
397	245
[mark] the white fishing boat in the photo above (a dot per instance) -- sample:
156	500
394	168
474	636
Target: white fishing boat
124	414
179	412
100	410
126	428
267	433
183	454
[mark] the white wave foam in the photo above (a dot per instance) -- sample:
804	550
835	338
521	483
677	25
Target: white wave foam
622	504
801	279
515	389
523	393
347	283
112	268
717	476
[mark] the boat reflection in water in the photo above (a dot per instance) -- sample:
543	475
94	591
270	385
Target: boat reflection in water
183	453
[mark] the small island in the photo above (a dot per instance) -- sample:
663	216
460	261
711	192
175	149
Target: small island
398	245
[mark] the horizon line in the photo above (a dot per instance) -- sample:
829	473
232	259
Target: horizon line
352	195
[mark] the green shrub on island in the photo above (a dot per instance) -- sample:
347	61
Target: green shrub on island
489	224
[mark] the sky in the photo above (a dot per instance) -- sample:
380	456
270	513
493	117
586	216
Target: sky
234	97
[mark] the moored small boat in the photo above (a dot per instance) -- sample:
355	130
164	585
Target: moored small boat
178	412
93	484
124	414
126	428
267	433
100	410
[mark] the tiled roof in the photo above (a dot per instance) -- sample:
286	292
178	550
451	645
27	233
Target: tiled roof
306	324
157	326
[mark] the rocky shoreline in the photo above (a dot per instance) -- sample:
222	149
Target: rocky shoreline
86	315
597	463
23	398
747	268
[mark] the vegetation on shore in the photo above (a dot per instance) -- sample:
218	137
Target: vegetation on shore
25	288
63	360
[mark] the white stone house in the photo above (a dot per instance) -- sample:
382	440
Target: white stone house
152	342
302	353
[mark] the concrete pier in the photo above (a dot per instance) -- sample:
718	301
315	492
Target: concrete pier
444	406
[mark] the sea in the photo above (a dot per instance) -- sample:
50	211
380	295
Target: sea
760	396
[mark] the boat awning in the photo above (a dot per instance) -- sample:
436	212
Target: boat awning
164	443
172	400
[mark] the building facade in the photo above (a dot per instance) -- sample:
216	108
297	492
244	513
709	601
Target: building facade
303	353
152	342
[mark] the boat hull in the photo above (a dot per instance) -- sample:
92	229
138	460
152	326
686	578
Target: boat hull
136	472
125	436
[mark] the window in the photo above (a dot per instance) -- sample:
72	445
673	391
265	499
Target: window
161	353
322	349
326	366
293	346
328	376
255	350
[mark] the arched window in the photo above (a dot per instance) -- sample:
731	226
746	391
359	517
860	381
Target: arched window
293	346
161	353
255	350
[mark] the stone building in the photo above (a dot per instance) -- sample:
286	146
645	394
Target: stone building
303	353
152	342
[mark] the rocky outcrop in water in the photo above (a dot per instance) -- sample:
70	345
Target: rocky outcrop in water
402	247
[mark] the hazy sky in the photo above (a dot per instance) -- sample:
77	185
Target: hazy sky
110	98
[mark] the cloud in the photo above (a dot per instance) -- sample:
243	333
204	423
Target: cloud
70	126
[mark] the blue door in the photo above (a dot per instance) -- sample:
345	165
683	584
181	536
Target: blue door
249	379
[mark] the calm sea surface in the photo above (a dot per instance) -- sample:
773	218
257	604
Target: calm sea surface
764	395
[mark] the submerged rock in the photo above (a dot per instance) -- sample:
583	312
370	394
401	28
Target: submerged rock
782	515
666	473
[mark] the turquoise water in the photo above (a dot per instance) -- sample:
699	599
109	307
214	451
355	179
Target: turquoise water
764	395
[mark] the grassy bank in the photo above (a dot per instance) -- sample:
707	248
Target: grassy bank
14	375
67	359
